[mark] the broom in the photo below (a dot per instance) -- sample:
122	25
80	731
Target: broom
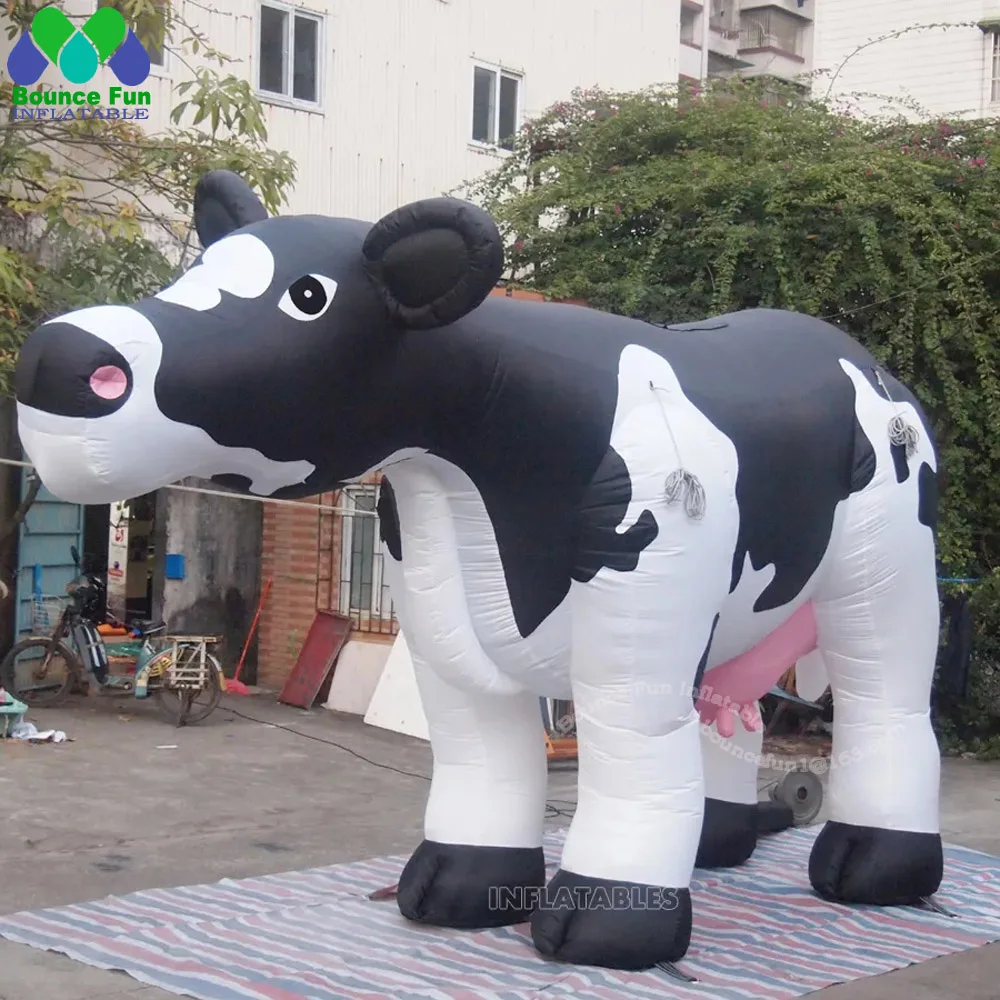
233	684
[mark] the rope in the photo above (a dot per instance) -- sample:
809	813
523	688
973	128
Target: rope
681	485
901	433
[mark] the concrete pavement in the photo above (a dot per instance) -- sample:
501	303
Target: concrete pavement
134	803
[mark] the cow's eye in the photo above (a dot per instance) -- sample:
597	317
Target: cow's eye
308	298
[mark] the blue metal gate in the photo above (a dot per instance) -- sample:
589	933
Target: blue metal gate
45	565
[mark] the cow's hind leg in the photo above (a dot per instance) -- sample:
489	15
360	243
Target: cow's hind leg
729	828
878	631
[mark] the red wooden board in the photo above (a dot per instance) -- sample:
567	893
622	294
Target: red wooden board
326	638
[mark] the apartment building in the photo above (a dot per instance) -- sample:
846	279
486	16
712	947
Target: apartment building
748	37
917	57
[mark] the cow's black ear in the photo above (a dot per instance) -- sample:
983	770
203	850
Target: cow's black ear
434	261
223	203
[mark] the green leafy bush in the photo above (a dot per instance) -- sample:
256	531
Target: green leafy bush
972	724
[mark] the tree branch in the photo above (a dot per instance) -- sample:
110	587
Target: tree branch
17	518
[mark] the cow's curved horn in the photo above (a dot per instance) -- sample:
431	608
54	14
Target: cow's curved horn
434	261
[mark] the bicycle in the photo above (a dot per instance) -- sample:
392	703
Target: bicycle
74	655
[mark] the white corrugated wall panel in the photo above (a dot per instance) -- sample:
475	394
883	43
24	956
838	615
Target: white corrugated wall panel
945	70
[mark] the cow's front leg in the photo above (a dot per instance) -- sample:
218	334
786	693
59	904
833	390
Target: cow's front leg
482	853
481	863
656	532
621	897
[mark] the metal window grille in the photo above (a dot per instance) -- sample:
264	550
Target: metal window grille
771	29
362	592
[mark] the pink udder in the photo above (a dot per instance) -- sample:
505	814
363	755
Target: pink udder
747	677
109	382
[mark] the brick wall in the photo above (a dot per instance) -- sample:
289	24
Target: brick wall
290	558
302	556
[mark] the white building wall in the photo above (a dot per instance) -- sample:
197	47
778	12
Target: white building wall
946	70
395	121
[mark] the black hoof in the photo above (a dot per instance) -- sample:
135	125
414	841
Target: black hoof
614	925
864	864
469	887
774	817
728	834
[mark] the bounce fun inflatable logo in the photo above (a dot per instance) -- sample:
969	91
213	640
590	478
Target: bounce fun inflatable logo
103	40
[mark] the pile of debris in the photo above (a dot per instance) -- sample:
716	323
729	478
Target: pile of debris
14	727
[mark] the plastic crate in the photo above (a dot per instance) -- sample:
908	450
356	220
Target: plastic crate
11	712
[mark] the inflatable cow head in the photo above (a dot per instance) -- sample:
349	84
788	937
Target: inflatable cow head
276	363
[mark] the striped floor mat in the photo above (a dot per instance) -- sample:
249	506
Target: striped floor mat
759	933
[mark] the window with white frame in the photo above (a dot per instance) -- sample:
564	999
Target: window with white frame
288	53
995	67
361	582
496	106
148	25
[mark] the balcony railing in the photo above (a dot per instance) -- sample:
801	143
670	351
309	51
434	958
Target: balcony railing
771	29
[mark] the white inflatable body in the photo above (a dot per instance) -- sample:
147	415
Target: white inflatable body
653	522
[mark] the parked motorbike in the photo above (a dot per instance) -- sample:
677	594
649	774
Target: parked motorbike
183	676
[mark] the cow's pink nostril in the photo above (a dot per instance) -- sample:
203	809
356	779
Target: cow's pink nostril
109	382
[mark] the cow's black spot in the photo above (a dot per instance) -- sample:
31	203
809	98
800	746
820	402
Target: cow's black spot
703	662
773	383
597	542
388	520
899	462
927	496
864	462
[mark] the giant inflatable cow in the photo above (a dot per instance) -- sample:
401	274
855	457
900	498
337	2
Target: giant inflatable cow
577	505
